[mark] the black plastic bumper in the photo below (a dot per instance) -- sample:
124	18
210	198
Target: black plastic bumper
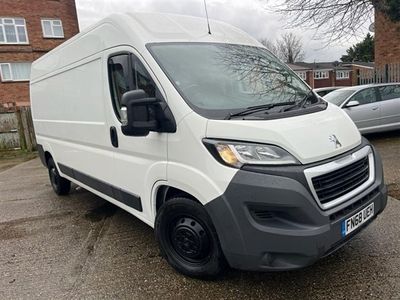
271	222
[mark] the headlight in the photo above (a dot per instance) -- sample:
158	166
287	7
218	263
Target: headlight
236	154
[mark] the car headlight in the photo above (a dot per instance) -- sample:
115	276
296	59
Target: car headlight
236	154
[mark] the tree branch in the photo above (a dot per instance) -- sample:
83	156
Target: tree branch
333	20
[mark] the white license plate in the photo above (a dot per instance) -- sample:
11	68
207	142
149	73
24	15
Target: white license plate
355	221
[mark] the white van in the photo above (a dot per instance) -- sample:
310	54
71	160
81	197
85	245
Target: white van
208	138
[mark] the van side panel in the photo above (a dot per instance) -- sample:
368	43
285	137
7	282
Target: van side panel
69	116
73	113
68	105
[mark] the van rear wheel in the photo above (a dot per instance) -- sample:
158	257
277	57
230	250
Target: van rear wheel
188	240
61	186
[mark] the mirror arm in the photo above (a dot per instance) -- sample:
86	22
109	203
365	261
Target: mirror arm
166	119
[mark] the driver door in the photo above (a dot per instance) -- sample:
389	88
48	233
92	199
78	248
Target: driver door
139	161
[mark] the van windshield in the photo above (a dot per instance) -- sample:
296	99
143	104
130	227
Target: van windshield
220	79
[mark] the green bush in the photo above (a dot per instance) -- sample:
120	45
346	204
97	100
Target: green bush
392	9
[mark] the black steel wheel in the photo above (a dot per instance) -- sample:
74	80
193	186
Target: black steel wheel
188	240
60	185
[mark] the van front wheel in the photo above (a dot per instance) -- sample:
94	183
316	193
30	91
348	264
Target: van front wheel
188	240
61	186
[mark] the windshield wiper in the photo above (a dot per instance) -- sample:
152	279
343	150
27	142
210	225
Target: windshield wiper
301	104
253	109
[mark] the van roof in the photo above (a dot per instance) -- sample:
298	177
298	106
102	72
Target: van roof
161	27
137	30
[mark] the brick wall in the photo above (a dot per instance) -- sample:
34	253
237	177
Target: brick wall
320	83
344	82
15	93
309	78
387	40
33	11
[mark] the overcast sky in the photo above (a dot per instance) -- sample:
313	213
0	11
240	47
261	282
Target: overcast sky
251	16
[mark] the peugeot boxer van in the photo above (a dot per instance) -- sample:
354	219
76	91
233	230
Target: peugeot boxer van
208	138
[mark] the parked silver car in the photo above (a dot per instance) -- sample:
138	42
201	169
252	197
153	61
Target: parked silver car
326	90
373	108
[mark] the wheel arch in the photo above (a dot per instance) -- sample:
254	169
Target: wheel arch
166	192
44	153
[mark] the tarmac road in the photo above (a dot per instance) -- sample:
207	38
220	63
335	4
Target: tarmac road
388	145
80	246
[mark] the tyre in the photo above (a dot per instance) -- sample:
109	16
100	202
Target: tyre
61	186
188	240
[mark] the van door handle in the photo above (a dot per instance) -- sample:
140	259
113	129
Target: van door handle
114	136
375	108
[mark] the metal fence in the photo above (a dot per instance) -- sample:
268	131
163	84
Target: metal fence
16	129
380	74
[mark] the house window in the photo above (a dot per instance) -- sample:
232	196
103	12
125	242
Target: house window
13	31
342	74
302	75
52	28
15	71
321	75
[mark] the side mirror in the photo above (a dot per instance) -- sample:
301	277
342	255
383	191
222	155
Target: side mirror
352	103
139	113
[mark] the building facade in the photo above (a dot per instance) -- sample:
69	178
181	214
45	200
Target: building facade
29	29
324	74
387	40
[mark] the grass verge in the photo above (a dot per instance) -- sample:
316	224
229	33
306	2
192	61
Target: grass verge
11	158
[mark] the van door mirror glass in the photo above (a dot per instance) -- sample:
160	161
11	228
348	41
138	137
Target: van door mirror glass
139	113
352	103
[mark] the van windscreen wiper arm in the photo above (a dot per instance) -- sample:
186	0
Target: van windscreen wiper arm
253	109
301	103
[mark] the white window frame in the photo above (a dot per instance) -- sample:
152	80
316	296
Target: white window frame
302	75
321	75
11	72
340	75
16	32
52	36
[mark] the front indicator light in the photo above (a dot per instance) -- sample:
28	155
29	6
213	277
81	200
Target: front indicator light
227	155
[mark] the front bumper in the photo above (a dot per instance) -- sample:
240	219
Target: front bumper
269	220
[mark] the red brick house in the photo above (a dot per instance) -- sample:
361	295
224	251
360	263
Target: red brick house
29	29
324	74
387	40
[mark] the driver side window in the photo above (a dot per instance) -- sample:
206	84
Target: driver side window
127	73
365	96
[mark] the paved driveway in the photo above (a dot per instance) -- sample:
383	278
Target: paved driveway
80	246
388	145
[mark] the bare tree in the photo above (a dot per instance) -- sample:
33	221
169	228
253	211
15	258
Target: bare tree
270	45
334	20
288	48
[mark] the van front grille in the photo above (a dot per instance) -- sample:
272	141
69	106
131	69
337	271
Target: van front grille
335	184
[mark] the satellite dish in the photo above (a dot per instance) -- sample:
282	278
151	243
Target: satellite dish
372	27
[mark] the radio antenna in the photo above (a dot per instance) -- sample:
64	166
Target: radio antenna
208	21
